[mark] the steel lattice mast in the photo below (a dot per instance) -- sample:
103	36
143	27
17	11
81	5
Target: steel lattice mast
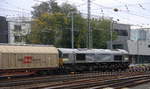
89	36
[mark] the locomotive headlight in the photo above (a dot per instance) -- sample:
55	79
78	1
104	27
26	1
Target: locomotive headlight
65	59
126	59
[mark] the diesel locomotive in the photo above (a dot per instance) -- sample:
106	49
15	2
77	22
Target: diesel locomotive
94	59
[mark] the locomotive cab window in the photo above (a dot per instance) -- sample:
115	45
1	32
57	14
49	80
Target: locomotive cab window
118	57
65	55
80	57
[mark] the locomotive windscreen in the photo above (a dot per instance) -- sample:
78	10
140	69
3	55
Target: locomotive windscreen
80	57
118	57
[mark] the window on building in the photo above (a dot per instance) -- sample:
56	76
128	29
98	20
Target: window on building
121	32
145	59
17	27
149	46
18	38
118	46
80	57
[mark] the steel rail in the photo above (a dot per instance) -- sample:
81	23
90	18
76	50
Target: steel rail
52	79
124	83
99	82
67	79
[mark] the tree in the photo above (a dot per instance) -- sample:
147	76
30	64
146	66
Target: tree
52	25
47	28
101	33
40	9
80	26
50	6
67	9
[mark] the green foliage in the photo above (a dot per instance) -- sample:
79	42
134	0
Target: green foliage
47	28
50	6
101	33
52	25
67	8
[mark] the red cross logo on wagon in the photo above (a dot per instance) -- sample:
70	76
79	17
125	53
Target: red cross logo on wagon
27	59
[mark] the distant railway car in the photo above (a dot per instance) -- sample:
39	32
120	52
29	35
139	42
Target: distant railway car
94	59
27	59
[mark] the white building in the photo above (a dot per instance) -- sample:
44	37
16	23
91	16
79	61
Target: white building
135	41
123	34
139	45
18	28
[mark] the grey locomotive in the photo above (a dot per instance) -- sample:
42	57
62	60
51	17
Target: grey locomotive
94	59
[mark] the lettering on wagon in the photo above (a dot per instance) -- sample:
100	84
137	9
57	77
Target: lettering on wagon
28	59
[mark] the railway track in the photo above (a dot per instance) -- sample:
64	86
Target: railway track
76	81
57	78
72	80
123	82
99	83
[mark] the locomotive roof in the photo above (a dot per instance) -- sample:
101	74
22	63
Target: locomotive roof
98	51
27	49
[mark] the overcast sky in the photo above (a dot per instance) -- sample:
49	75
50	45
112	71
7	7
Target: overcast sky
130	11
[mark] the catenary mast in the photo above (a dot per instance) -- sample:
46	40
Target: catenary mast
89	36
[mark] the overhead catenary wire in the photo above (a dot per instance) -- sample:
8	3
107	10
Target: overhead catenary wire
14	10
125	11
128	11
17	7
131	13
11	13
